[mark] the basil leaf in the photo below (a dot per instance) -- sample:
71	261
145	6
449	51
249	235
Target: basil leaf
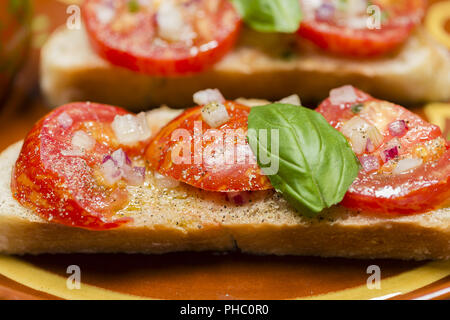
133	6
316	163
270	15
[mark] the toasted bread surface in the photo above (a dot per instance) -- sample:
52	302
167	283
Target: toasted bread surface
189	219
270	65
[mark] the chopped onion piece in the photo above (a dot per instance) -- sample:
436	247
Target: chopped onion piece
134	176
391	151
398	128
106	158
358	142
215	114
120	158
345	94
389	154
208	96
117	166
356	131
375	137
111	173
105	14
171	23
369	163
82	141
65	120
405	165
369	146
292	99
165	182
238	198
354	124
325	12
130	129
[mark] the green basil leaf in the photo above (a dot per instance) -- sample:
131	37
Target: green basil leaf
270	15
133	6
316	163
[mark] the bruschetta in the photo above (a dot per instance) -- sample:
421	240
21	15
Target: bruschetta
358	177
161	52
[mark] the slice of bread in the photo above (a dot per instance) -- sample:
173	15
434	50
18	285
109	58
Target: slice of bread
268	66
186	218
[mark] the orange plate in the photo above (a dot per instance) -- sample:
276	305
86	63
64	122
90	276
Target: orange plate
218	276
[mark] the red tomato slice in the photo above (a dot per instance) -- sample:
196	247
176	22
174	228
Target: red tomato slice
381	188
343	33
167	38
61	184
224	163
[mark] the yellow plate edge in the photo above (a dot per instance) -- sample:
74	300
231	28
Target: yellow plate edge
435	20
437	113
41	280
400	284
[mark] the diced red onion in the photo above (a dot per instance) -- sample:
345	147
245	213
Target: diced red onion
238	198
120	158
345	94
106	158
208	96
111	173
118	165
369	163
325	12
389	154
140	171
65	120
134	176
398	128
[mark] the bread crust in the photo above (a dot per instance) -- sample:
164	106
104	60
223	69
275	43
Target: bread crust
189	219
418	72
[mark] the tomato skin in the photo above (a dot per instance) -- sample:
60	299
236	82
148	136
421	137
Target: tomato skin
429	193
358	44
422	189
174	61
201	174
62	188
364	43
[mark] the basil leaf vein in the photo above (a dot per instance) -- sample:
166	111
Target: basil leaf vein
270	15
316	163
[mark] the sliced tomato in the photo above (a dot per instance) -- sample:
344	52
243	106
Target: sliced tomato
167	38
219	159
345	32
60	182
385	187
